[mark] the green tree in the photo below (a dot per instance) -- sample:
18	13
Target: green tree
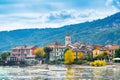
117	53
105	55
89	56
4	55
47	51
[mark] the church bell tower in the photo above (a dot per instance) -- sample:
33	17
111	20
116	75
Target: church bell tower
67	39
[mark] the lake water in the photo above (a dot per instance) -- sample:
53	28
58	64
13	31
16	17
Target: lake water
32	73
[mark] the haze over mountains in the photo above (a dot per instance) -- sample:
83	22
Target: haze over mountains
102	31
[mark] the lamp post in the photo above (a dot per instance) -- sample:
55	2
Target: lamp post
77	54
55	51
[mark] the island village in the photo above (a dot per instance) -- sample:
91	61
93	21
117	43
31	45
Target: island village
81	53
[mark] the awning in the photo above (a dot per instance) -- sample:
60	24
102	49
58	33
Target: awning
116	58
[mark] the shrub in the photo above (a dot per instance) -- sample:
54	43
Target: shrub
98	63
91	63
79	61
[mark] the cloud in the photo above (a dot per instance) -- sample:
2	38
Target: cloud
40	6
17	14
113	3
59	15
53	19
116	3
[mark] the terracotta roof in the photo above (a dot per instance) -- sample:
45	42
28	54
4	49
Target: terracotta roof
78	44
112	47
24	47
16	56
97	46
55	44
103	48
62	46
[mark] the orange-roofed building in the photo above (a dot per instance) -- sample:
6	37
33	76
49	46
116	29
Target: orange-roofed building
112	48
99	49
19	53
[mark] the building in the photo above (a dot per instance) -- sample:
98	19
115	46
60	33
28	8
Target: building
58	49
99	49
93	49
57	52
112	48
67	39
20	53
85	48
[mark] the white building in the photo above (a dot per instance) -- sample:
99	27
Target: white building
58	51
67	39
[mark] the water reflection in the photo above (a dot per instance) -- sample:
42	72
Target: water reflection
30	73
70	74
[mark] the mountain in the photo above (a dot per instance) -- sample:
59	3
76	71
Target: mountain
102	31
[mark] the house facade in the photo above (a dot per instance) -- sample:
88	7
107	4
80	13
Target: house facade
87	49
112	47
58	49
20	53
99	49
57	52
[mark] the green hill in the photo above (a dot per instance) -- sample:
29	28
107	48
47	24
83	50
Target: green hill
100	31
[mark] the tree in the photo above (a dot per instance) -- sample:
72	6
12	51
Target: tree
39	52
89	56
69	56
117	53
100	56
66	50
103	55
80	55
4	55
47	51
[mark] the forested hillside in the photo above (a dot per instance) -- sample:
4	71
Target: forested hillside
102	31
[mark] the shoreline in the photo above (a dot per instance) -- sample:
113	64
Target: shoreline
88	66
66	66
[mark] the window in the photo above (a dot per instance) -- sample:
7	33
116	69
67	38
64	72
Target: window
22	50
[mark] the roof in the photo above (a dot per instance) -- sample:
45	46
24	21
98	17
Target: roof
24	47
56	44
112	47
97	45
76	44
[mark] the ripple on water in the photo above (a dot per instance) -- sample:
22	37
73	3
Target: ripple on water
16	73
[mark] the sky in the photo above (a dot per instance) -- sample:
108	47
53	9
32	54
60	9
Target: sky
23	14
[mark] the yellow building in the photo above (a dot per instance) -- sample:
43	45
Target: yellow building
99	50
